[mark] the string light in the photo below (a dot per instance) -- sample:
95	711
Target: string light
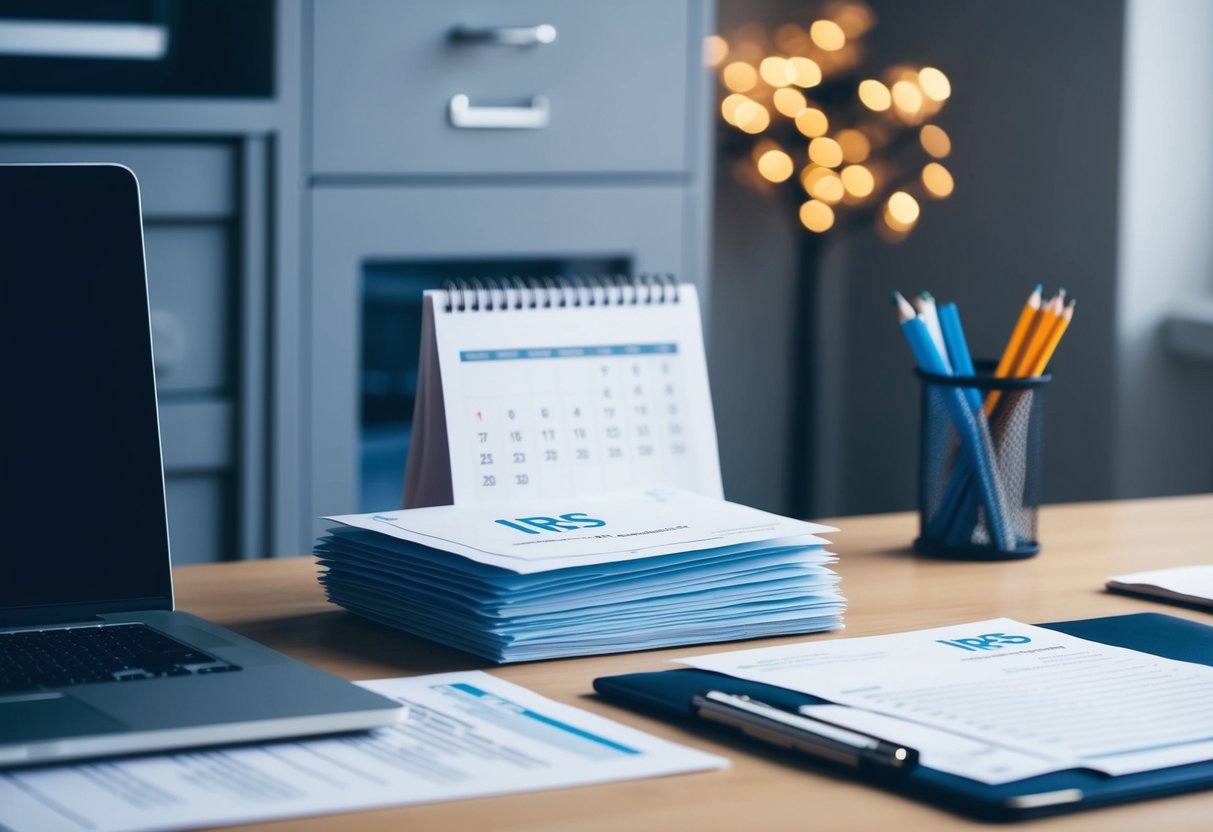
776	166
816	216
935	85
858	181
935	140
812	122
937	180
808	73
789	101
828	35
826	152
874	95
740	77
715	50
854	129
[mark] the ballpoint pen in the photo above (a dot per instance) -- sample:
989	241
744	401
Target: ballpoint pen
814	737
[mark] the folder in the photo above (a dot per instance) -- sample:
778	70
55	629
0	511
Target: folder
667	695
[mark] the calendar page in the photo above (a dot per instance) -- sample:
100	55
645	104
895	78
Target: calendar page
573	400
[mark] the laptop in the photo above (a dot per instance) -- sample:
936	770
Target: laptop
93	658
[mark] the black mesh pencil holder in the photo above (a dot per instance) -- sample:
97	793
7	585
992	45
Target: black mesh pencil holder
980	475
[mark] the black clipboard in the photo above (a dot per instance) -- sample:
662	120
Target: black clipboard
667	695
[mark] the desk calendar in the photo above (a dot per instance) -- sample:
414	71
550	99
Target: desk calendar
560	389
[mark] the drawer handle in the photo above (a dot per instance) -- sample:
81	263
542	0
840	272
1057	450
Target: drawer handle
534	116
506	35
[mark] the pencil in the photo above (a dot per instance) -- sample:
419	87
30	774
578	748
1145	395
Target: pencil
925	304
970	426
1046	322
1050	346
1027	316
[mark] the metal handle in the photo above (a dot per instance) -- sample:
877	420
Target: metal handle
534	116
506	35
83	39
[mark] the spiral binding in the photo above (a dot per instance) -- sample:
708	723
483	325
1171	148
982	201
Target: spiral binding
492	294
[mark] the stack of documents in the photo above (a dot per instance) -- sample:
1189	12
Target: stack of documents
627	571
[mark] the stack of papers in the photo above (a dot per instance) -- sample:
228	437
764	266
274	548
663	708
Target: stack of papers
627	571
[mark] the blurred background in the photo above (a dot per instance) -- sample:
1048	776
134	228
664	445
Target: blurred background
305	178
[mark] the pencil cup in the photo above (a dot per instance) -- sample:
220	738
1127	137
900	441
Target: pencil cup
979	475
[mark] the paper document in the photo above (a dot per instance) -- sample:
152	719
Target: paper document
1060	699
557	532
1186	584
467	735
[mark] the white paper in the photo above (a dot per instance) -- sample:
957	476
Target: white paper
937	749
565	400
557	532
1008	684
1184	583
467	735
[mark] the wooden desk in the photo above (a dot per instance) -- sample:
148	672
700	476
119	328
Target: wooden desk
887	588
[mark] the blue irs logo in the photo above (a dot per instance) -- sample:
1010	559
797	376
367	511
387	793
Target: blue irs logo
988	641
571	522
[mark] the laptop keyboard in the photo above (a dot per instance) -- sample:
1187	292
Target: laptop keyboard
38	659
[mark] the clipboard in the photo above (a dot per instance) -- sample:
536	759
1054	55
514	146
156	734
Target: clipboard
667	695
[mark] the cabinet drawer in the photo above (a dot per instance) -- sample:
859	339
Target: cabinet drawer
615	82
179	179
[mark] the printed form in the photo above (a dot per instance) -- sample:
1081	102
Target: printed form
466	735
998	700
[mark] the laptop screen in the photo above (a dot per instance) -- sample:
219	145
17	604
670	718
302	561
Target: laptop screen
82	518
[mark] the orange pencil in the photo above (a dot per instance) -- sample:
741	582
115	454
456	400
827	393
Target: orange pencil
1046	323
1019	335
1059	329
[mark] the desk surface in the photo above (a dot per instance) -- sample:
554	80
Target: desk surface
887	588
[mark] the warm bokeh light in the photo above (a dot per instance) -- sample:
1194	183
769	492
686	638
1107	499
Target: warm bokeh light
751	117
875	95
828	187
855	145
808	73
935	141
715	50
816	216
791	39
863	164
812	122
828	35
858	181
789	101
935	85
853	18
903	208
907	97
739	76
728	107
825	152
776	71
776	166
937	180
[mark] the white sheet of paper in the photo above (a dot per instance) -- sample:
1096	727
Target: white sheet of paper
467	735
554	533
940	750
1193	583
1008	684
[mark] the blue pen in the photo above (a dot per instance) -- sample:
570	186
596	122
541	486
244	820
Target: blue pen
974	434
945	522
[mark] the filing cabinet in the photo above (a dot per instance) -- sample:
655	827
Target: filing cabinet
393	133
524	87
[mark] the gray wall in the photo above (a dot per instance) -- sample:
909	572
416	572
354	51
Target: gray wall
1163	438
1035	118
